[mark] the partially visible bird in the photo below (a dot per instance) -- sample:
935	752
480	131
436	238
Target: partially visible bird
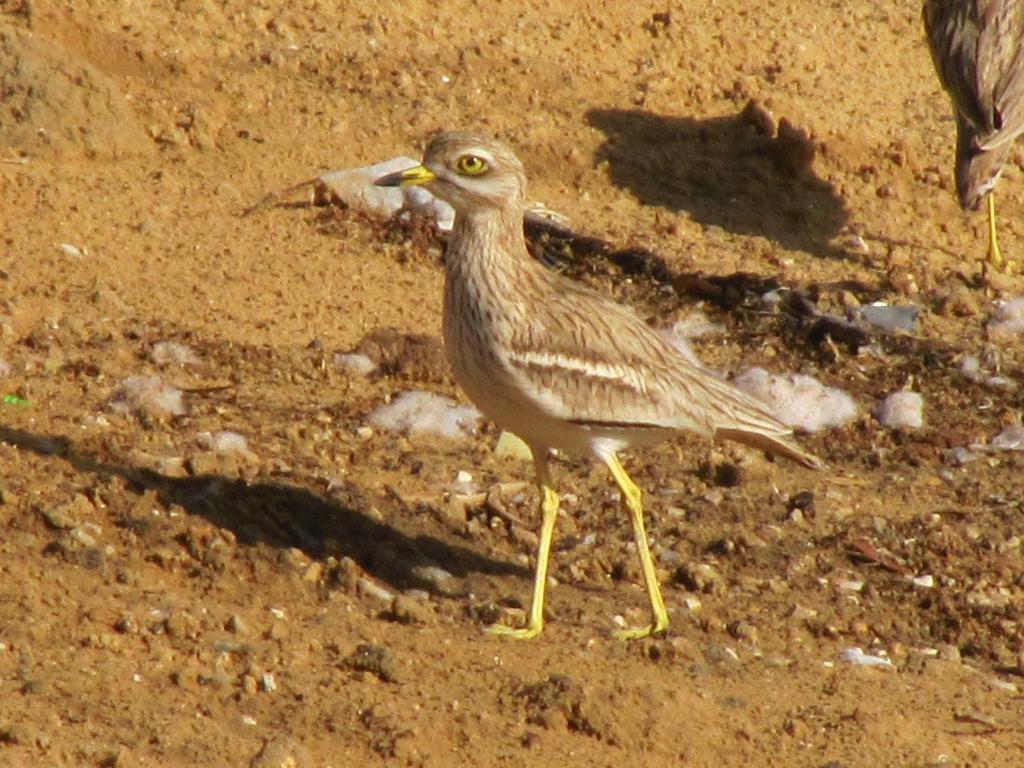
560	365
978	50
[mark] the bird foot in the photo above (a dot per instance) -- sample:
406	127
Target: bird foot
636	633
522	633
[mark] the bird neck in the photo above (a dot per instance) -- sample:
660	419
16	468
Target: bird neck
489	238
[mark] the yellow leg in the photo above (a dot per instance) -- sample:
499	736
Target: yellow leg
995	255
549	511
631	500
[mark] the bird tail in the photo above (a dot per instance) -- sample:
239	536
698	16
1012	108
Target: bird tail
772	444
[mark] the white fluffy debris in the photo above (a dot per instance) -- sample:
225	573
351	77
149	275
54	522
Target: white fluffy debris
901	410
354	364
224	442
424	413
172	353
354	187
861	659
1007	321
148	396
799	401
694	326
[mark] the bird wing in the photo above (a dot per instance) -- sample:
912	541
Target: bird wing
977	50
592	361
1004	69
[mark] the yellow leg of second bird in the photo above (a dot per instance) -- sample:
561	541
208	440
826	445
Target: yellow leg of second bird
995	255
632	502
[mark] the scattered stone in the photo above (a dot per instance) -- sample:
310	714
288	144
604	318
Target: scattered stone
1010	439
720	655
890	318
949	652
212	463
700	577
281	752
971	369
58	519
16	734
415	357
171	466
77	547
803	502
437	577
561	703
127	625
743	630
800	613
408	611
267	682
370	588
375	659
858	657
901	410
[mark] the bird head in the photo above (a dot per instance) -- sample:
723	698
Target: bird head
469	172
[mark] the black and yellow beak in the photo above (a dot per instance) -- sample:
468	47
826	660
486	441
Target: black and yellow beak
412	177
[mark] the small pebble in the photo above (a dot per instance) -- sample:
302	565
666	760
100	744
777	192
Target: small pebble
408	611
435	576
858	657
268	683
370	588
375	659
890	318
73	250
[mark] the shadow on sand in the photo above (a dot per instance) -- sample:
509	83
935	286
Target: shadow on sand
730	172
284	516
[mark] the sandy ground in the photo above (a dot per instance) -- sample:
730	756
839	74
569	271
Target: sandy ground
318	599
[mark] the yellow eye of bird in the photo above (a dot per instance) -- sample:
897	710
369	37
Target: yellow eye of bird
471	165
